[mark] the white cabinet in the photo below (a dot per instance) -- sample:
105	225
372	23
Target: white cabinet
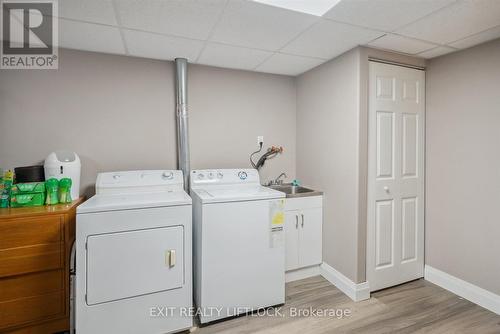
303	231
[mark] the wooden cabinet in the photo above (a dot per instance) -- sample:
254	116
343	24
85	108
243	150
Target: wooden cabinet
303	232
35	246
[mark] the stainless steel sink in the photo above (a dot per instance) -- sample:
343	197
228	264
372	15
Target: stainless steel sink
295	191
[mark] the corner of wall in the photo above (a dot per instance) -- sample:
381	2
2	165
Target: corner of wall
362	162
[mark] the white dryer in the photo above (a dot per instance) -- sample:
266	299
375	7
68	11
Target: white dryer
133	255
238	243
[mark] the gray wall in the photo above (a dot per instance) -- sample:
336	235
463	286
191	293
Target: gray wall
327	152
118	113
463	165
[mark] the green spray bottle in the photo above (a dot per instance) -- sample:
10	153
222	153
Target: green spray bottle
65	190
52	187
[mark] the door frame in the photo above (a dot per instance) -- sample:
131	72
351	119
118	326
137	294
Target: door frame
370	191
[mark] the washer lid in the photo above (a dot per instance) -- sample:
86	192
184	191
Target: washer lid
219	194
114	202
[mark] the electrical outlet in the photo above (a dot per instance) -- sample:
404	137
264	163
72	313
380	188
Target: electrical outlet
260	140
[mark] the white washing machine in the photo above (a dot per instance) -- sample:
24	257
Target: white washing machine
239	257
133	255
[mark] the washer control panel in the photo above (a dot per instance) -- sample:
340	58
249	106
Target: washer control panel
224	176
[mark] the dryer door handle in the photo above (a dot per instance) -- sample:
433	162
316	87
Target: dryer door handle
170	258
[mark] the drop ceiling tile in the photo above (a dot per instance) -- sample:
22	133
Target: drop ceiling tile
97	11
285	64
436	52
185	18
254	25
386	15
328	39
150	45
90	37
479	38
462	19
232	56
401	44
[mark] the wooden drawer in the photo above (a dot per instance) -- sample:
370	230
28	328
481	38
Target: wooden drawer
42	327
30	231
25	310
24	286
16	261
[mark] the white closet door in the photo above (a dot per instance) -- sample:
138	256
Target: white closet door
395	244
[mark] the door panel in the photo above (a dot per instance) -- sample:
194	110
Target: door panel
411	90
410	145
384	239
409	229
385	144
291	240
310	232
386	88
395	235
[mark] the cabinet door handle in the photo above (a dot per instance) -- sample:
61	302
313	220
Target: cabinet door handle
296	221
302	216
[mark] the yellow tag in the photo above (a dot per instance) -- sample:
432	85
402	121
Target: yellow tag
278	218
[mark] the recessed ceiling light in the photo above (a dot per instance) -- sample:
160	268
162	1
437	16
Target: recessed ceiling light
313	7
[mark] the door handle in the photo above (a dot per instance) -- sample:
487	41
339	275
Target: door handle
170	259
302	216
296	221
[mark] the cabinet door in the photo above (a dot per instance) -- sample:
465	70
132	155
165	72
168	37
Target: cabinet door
291	240
310	236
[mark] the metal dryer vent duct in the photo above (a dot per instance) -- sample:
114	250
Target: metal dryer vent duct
182	119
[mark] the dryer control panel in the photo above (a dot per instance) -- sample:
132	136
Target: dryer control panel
139	180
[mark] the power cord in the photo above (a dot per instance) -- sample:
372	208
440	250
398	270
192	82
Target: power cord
271	152
254	153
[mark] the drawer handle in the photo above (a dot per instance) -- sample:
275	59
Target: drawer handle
170	258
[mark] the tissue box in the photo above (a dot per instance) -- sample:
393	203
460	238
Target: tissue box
27	199
28	188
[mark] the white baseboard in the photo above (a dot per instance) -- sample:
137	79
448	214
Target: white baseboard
475	294
295	275
355	291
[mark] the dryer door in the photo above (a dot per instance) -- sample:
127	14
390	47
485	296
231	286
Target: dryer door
128	264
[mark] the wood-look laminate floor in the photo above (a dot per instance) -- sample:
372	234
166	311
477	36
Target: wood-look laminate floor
414	307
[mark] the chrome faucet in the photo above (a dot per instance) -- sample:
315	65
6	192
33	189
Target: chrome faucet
277	181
